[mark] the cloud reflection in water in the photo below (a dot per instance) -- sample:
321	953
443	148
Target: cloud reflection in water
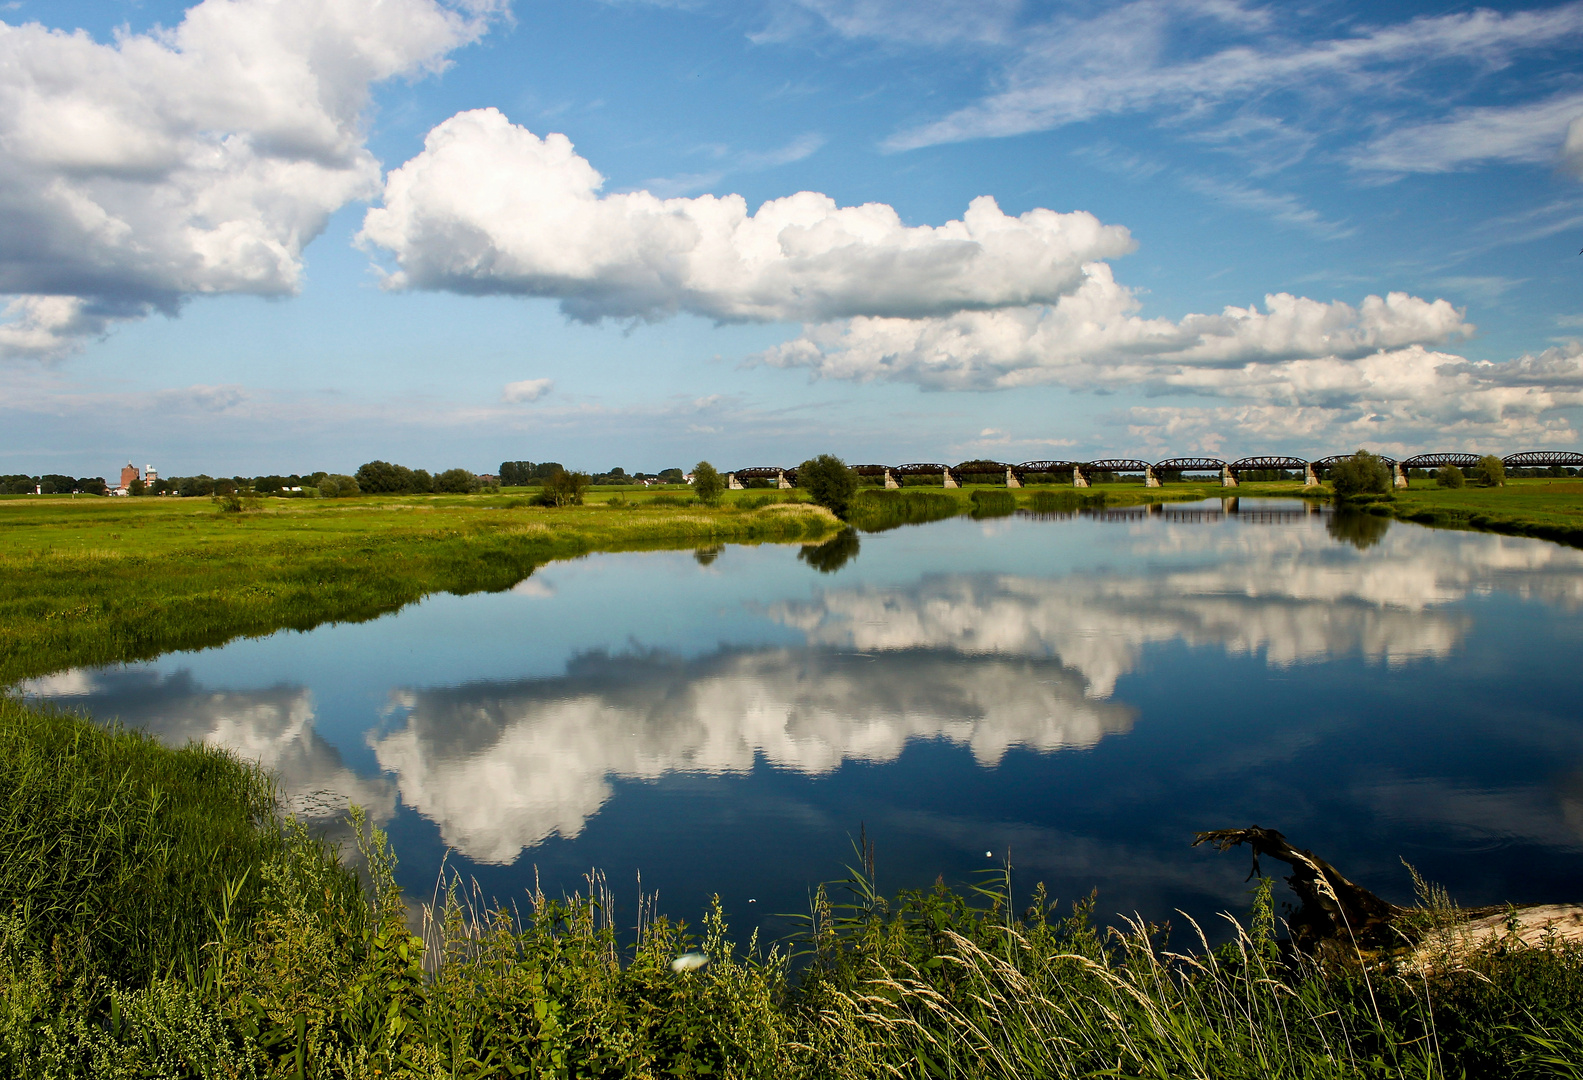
502	767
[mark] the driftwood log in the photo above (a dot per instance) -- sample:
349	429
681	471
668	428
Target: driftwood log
1335	911
1332	906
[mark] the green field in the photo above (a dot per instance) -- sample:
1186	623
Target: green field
93	580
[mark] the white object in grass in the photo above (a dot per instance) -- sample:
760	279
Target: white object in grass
689	961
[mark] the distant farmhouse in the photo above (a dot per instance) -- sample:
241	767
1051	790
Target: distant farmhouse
129	476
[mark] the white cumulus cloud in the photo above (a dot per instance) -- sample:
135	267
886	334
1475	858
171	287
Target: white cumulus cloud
489	207
1093	337
190	161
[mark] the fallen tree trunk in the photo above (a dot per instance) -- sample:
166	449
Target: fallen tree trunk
1342	918
1332	906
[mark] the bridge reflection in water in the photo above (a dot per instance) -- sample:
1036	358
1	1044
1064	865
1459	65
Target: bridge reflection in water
1083	473
1228	510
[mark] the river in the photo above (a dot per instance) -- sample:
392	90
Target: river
1079	693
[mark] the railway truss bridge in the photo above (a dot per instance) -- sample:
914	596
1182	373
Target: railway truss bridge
1083	473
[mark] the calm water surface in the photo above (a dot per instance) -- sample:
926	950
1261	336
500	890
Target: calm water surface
1080	692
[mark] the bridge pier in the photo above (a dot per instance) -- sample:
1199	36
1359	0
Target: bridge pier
890	481
1310	477
781	481
732	483
950	481
1399	477
1011	479
1149	477
1227	477
1078	479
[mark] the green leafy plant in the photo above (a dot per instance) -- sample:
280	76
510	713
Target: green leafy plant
708	484
829	482
1359	475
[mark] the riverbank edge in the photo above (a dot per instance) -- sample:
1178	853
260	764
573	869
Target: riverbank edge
108	600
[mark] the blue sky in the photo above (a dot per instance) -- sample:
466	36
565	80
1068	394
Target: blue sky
283	235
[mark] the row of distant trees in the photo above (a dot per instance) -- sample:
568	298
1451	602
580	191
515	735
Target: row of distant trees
537	473
51	484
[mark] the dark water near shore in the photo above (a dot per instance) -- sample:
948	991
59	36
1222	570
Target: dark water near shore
1081	692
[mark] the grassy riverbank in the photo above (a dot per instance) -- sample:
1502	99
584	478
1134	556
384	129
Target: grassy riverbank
95	581
160	921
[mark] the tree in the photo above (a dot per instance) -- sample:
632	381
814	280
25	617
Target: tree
190	486
827	479
136	487
1448	476
339	487
708	485
672	476
565	488
1490	471
1361	474
456	482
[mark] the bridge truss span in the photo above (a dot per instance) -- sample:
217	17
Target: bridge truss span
1115	465
1542	459
1268	461
1044	467
763	472
981	468
1435	461
1190	464
1336	459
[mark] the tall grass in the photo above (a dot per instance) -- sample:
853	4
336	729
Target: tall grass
117	854
876	511
314	977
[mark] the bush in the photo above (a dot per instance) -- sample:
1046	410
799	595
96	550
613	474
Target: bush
1448	476
339	487
708	484
456	482
383	478
831	484
1490	471
1361	474
564	488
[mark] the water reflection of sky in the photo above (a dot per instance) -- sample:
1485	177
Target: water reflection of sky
1082	692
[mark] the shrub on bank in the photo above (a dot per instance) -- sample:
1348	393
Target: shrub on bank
1361	474
708	484
1489	472
828	482
1449	476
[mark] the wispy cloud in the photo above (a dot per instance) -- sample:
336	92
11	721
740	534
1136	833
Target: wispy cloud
1282	206
1531	133
1189	59
527	390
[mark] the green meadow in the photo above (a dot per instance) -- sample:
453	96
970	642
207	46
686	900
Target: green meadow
161	917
